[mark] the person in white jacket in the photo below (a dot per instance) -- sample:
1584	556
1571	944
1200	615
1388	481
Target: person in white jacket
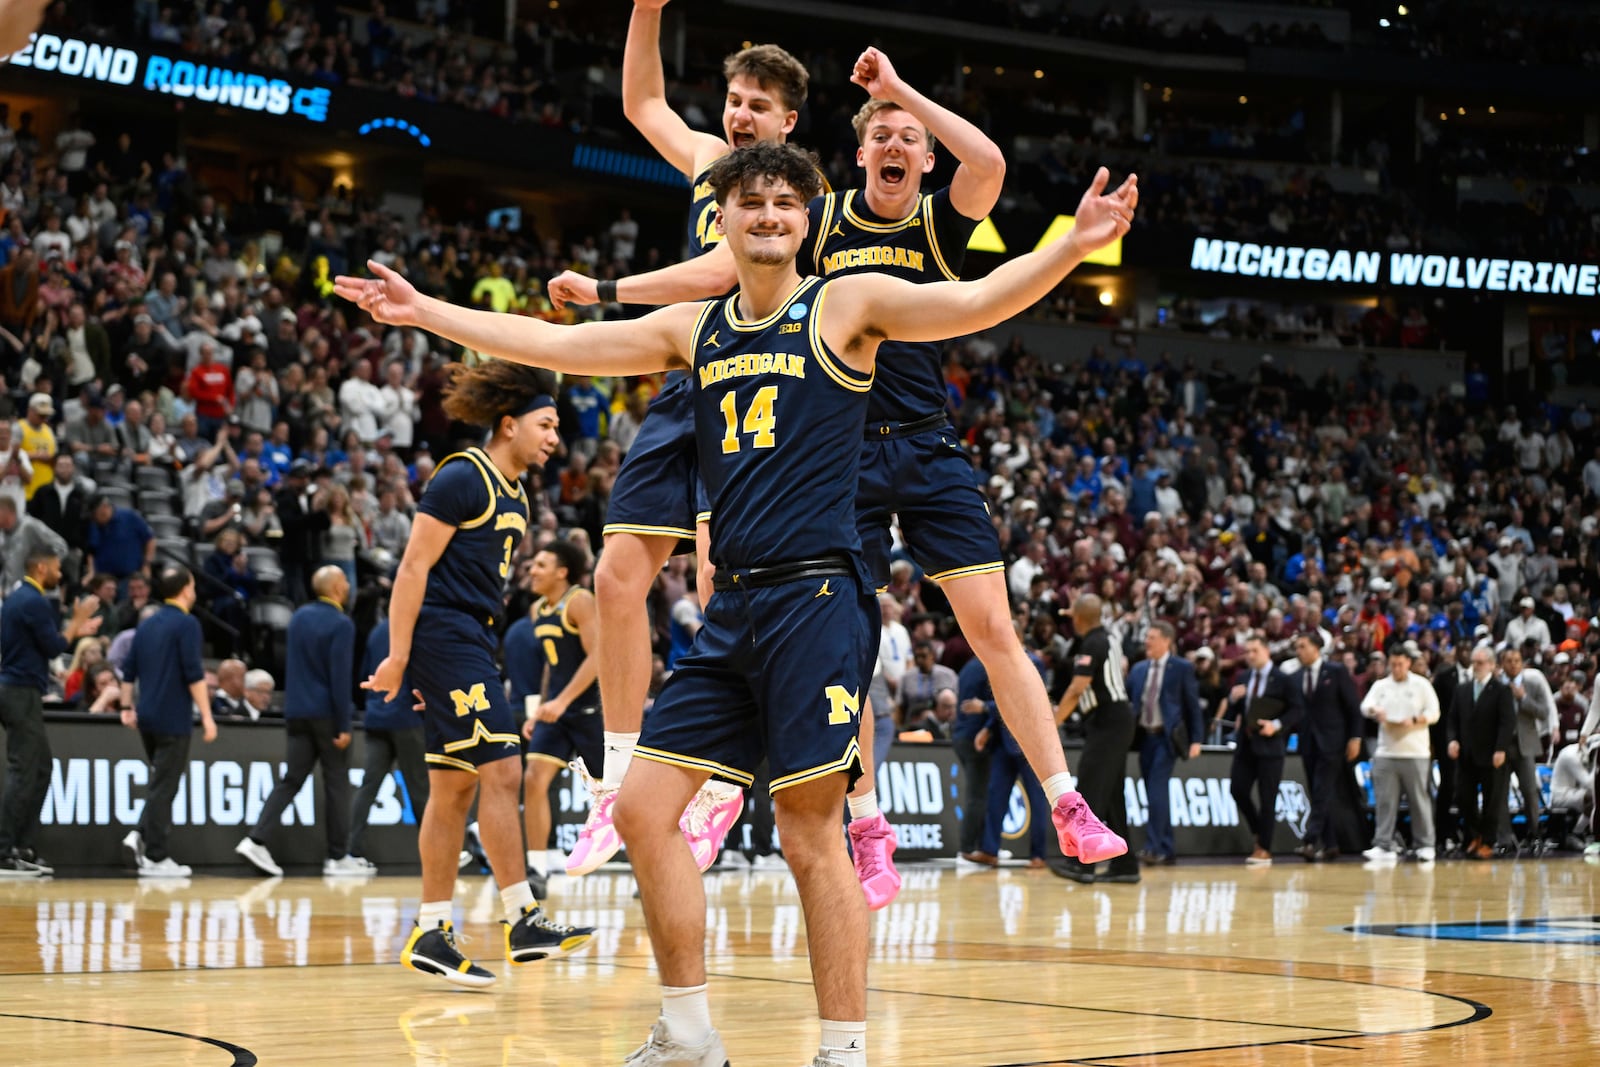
361	402
1405	705
399	409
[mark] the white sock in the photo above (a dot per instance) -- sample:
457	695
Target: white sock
619	753
864	806
721	790
686	1012
431	915
515	898
846	1041
538	862
1057	786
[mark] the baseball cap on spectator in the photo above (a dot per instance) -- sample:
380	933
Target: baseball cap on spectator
1380	585
1204	652
143	319
1481	631
1408	649
1557	532
1525	602
1561	658
91	398
300	468
42	402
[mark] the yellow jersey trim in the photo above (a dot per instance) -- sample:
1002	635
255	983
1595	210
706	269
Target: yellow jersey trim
731	309
880	227
852	756
488	484
842	374
933	241
704	516
451	762
481	733
513	489
644	531
830	204
673	759
953	573
545	757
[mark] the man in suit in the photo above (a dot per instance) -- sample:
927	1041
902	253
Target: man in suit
1480	730
1447	681
302	529
318	690
1269	710
1163	688
1535	708
1330	740
63	504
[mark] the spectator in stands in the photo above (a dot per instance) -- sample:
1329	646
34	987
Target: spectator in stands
304	520
38	439
102	693
391	527
134	438
361	404
227	700
210	386
166	666
257	393
258	688
30	636
90	437
89	653
345	537
398	407
1527	627
63	504
119	541
233	583
921	685
22	537
16	467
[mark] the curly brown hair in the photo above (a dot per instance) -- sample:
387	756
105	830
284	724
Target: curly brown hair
482	394
774	70
795	167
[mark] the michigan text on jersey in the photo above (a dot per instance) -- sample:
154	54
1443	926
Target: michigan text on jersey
750	364
879	256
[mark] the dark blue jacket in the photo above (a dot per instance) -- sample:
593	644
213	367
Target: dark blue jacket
973	685
320	664
381	714
1179	697
165	661
30	637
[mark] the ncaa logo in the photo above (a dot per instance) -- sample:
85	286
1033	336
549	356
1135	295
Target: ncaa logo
1293	807
797	311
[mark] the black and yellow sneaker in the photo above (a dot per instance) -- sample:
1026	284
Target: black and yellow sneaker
535	937
434	952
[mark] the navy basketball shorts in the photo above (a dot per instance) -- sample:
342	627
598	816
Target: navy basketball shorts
579	731
654	494
468	721
928	481
778	671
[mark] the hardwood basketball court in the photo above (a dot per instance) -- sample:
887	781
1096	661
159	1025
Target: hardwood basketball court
1199	965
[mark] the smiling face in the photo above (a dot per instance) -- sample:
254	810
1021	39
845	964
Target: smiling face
751	113
548	575
895	154
534	437
764	222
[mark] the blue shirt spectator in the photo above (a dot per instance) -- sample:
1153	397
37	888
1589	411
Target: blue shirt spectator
120	541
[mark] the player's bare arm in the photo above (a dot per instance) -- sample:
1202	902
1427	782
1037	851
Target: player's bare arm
975	189
862	310
701	278
644	97
659	341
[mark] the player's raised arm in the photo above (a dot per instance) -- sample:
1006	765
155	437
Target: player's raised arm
701	278
644	96
975	189
877	306
659	341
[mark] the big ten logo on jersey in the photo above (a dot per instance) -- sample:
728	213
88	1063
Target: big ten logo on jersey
467	701
110	792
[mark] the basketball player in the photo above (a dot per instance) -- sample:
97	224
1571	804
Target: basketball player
912	464
470	519
782	373
653	502
565	627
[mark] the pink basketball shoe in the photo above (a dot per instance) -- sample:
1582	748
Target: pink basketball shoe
598	840
706	822
1082	835
872	843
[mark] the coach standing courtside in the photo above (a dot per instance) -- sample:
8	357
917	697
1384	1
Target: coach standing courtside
165	663
1098	691
1166	698
1480	730
318	685
1330	740
29	639
1269	711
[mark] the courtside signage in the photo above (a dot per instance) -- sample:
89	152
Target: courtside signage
182	78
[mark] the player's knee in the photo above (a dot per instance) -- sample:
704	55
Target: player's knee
620	577
990	633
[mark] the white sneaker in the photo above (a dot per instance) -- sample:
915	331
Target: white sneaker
366	865
464	860
734	860
133	845
662	1051
1378	854
347	867
258	857
1425	855
167	868
772	862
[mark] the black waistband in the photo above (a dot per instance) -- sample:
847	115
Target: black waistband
779	573
880	430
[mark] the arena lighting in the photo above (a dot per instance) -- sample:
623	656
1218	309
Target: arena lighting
400	125
1384	23
1107	298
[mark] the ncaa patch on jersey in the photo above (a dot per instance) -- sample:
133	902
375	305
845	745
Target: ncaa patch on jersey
797	311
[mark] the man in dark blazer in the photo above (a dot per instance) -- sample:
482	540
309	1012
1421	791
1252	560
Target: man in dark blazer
1269	711
63	505
1166	697
1447	679
1330	740
1481	728
318	690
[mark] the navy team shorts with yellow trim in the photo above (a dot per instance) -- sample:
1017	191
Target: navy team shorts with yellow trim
927	480
468	721
654	494
780	671
579	731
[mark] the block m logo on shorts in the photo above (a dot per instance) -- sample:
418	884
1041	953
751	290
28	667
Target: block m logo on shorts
471	700
844	704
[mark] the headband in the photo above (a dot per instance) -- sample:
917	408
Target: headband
543	400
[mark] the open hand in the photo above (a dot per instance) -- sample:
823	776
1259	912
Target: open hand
386	296
388	679
1104	217
874	73
570	287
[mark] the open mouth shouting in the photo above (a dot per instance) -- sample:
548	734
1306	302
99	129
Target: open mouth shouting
742	139
892	174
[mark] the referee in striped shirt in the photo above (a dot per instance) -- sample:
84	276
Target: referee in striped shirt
1099	691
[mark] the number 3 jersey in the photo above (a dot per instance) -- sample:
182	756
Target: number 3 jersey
490	514
778	424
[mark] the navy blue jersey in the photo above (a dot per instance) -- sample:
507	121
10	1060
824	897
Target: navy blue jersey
490	515
703	235
778	428
562	647
524	667
928	245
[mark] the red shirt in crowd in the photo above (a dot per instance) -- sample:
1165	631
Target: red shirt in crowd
211	388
